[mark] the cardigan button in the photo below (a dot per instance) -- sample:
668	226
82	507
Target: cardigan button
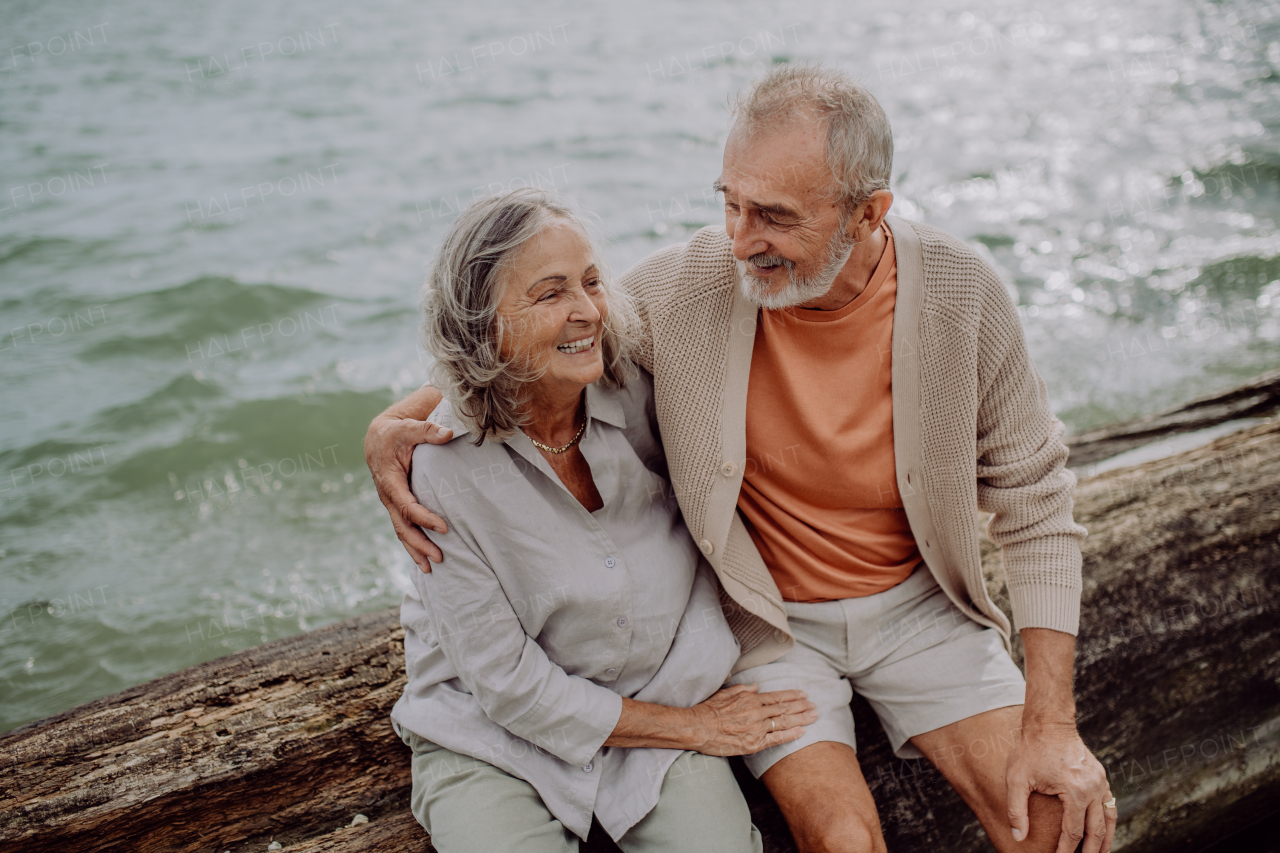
779	635
706	547
728	469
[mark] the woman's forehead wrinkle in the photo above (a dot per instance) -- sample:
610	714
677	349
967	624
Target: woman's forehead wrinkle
555	268
546	278
560	277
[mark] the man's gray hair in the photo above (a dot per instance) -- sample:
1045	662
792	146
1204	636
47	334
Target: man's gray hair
461	328
859	141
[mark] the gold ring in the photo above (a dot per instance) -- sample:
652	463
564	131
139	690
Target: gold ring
1110	804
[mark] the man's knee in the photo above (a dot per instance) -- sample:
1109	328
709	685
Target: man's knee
846	833
1044	816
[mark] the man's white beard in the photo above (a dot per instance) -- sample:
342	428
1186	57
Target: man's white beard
800	288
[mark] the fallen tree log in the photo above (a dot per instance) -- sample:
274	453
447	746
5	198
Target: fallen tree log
1178	688
1258	398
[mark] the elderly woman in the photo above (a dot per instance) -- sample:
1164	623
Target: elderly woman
564	660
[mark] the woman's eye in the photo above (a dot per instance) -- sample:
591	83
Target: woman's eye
592	283
546	297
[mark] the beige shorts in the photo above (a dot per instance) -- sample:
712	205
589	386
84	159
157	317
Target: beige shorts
913	655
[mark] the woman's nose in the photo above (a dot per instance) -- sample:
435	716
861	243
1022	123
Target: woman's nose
584	308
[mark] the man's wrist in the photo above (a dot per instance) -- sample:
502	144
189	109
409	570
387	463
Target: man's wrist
1035	726
418	406
1050	707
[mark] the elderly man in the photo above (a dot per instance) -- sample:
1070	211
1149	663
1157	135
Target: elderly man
838	391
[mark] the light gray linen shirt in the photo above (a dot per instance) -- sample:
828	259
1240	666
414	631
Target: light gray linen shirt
520	646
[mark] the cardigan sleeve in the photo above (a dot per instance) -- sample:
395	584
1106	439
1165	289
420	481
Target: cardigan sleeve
643	353
648	283
1022	475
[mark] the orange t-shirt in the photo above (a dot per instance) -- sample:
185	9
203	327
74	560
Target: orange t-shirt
819	493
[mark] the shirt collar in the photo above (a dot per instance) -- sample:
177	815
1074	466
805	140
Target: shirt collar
603	404
443	415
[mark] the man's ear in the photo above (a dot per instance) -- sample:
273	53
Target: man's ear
871	213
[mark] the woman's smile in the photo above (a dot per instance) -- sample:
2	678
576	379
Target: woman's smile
579	346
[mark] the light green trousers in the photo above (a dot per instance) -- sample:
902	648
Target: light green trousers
470	806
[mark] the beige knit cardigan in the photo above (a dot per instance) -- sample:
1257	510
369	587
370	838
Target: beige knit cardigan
972	430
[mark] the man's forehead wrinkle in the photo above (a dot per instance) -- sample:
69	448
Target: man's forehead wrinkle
758	174
781	169
788	188
787	166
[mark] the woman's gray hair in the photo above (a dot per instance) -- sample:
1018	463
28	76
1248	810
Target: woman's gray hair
859	141
461	328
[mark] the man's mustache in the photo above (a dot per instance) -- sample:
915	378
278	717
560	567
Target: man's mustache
763	260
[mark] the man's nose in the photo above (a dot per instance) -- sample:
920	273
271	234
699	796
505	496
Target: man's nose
746	239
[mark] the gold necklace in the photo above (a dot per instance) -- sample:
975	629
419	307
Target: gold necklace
541	446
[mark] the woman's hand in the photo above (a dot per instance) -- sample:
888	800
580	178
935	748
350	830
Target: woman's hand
740	720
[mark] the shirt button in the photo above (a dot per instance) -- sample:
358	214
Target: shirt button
588	766
622	621
706	547
728	469
611	670
609	562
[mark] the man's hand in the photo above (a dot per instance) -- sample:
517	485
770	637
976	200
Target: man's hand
388	451
1056	762
1051	758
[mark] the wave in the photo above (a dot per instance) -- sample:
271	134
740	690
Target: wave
54	252
275	437
182	320
182	395
1257	170
1237	278
37	459
254	442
